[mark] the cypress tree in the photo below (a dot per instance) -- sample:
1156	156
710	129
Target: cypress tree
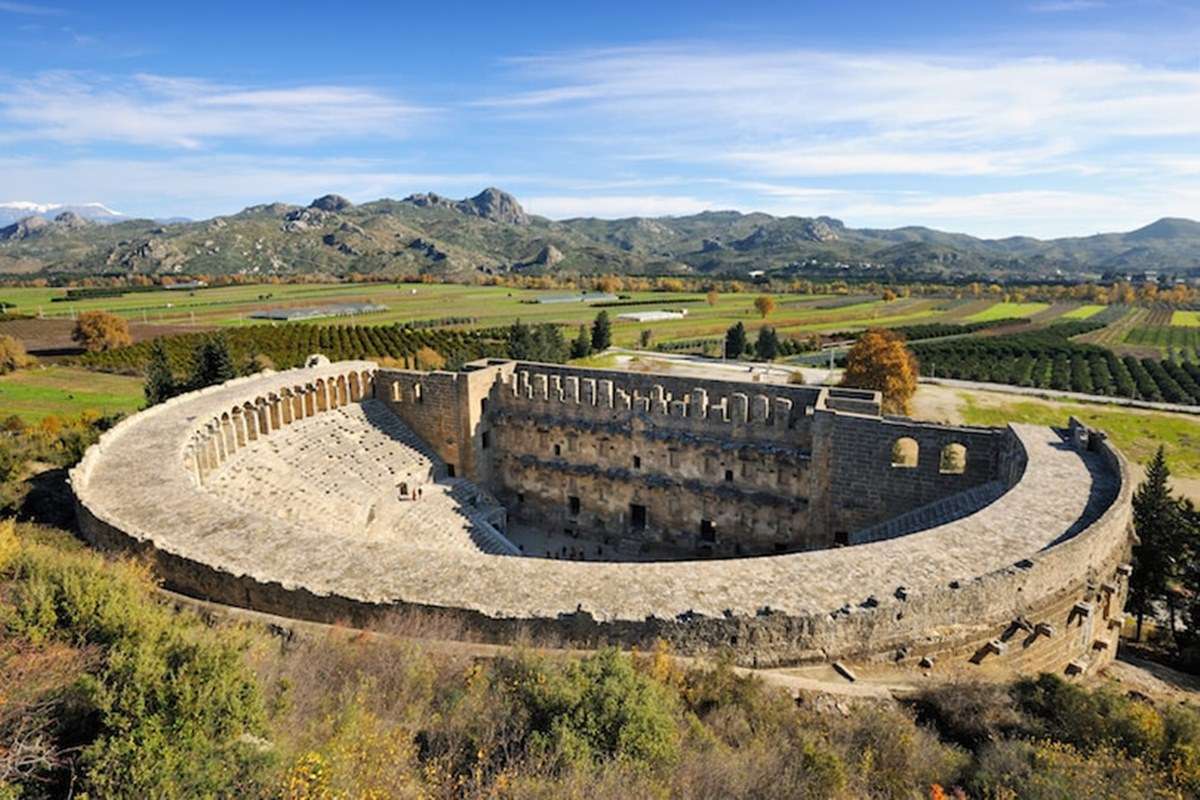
1158	519
520	341
735	341
766	346
601	332
581	347
160	382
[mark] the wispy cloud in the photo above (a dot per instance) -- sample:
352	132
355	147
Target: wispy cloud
28	8
174	112
819	113
1061	6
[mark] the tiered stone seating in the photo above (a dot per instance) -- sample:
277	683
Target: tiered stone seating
340	472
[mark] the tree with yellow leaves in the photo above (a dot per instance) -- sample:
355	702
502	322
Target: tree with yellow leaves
880	360
429	359
764	304
99	330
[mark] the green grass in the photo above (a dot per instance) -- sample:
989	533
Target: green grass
1137	434
1186	319
1007	311
33	394
1083	312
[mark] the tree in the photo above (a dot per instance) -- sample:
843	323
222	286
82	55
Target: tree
601	332
1157	518
711	297
880	360
212	363
888	295
644	338
520	341
581	347
735	341
96	331
765	304
13	355
609	284
766	346
160	381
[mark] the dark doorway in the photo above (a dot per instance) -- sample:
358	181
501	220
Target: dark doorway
637	517
573	503
637	462
450	470
729	475
708	532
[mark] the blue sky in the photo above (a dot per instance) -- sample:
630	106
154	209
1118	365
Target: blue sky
1045	117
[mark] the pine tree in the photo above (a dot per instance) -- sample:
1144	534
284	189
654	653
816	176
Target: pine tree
1190	572
581	347
520	341
601	332
160	382
735	341
212	363
1157	518
766	346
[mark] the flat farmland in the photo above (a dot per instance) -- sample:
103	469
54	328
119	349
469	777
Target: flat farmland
487	306
1007	311
33	394
1186	319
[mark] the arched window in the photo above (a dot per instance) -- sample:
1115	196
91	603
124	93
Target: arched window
953	460
905	453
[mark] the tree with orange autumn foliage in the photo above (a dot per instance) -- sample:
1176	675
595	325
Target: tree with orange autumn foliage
764	304
880	360
99	330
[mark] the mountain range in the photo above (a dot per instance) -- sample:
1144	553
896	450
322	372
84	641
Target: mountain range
490	233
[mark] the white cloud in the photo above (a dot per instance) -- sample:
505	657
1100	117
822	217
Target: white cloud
29	8
800	112
190	113
1059	6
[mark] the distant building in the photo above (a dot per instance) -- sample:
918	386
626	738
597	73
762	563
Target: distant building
316	312
186	285
653	316
582	297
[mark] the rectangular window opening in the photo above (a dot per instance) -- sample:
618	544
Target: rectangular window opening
574	505
637	517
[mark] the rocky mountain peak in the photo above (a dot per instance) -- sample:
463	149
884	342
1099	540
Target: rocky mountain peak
498	206
331	202
24	228
492	204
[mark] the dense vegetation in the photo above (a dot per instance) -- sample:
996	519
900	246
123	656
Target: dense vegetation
115	695
289	345
1049	359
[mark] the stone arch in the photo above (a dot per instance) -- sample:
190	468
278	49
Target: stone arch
355	388
228	434
239	428
953	459
905	453
309	392
278	410
264	417
343	396
368	383
322	395
250	420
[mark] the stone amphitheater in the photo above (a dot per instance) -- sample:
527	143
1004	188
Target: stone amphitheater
790	525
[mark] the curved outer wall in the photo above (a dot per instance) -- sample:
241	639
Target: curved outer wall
1058	609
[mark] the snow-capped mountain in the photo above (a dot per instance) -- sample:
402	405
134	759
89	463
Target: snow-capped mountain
93	212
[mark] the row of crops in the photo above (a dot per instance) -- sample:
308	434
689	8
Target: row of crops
1171	337
289	345
1048	359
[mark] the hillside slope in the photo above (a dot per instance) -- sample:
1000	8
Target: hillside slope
491	233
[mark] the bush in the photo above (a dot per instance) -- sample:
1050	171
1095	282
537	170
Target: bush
13	355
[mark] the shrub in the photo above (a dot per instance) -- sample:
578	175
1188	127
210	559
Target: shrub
13	355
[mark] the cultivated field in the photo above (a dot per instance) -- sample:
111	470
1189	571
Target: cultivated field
33	394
